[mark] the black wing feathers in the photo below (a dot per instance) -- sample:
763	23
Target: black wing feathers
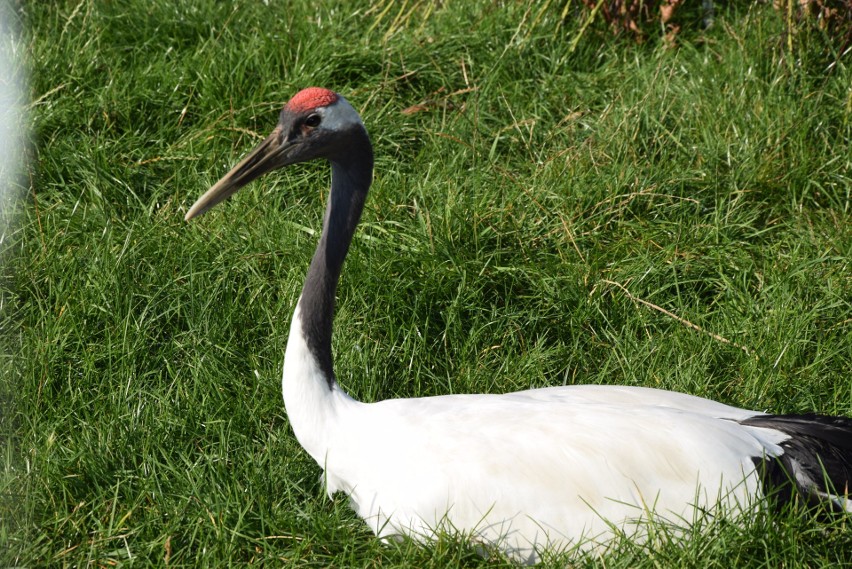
817	459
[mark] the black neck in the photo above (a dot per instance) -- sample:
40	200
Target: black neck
351	175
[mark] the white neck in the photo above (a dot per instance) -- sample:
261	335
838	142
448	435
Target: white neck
312	401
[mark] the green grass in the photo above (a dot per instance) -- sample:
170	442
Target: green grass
547	216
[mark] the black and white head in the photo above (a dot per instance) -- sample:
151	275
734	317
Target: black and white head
315	123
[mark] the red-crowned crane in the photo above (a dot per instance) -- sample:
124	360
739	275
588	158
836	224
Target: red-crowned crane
549	467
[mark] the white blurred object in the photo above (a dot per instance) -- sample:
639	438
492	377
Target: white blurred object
13	124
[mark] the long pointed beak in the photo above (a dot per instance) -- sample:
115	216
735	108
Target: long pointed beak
272	153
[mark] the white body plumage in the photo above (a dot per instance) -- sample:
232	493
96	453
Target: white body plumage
546	467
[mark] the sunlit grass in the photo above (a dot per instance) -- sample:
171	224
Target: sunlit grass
620	214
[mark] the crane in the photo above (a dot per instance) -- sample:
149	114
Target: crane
551	467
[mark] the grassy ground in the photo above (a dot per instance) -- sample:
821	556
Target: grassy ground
540	216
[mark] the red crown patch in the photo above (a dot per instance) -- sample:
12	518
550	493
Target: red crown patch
311	98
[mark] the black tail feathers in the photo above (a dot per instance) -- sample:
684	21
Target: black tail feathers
816	465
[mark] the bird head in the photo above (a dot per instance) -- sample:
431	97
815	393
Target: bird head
313	124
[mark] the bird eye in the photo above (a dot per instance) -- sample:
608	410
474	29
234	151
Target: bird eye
313	120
